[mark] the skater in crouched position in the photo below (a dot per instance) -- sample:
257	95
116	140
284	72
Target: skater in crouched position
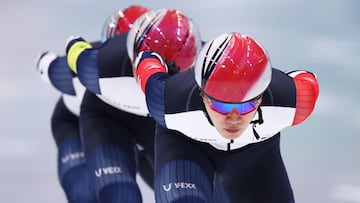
71	166
53	68
114	120
223	118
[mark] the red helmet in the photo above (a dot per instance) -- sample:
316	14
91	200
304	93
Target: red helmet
122	20
233	68
169	33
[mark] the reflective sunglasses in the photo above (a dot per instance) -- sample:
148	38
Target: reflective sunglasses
225	108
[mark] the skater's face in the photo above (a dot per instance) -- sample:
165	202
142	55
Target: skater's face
231	120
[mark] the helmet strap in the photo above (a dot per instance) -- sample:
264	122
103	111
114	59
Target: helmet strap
204	110
207	115
258	121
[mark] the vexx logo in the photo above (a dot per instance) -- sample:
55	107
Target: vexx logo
179	185
107	171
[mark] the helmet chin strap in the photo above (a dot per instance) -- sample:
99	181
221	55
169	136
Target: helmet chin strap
206	114
258	121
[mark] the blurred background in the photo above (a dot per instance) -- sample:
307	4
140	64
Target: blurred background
321	155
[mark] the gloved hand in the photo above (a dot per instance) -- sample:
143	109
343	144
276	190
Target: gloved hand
75	45
307	92
43	62
148	63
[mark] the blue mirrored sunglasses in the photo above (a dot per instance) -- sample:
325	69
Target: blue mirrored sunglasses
225	108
